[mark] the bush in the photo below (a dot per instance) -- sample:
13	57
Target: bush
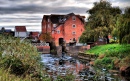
19	57
106	62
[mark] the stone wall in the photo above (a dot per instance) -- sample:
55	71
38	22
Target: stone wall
73	50
43	49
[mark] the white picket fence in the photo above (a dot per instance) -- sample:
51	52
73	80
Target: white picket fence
40	44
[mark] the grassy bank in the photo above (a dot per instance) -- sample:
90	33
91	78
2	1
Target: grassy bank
111	55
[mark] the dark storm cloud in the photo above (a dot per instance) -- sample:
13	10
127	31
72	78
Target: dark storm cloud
44	6
39	9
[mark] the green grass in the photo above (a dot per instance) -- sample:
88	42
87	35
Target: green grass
113	48
112	53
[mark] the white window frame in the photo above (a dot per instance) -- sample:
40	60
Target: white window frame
48	20
73	26
58	31
73	32
54	25
73	18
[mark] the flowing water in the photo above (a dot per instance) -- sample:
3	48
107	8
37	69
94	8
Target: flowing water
82	71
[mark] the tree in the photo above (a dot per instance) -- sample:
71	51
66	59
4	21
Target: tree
124	28
2	30
46	37
101	20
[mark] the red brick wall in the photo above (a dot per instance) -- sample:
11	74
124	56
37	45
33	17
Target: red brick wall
56	35
43	25
66	29
46	26
69	29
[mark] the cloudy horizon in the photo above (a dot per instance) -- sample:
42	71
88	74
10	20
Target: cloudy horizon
29	13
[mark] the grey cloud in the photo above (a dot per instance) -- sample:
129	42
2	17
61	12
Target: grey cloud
39	9
21	20
30	7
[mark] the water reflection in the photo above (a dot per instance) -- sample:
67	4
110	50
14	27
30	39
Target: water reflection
81	71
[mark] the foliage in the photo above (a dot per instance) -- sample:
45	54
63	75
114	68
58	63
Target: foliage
87	36
46	37
124	28
106	62
19	58
111	52
101	21
68	77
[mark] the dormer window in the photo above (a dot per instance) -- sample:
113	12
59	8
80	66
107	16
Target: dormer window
73	25
73	18
54	25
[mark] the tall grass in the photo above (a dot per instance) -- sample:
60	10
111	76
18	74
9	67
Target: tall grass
18	60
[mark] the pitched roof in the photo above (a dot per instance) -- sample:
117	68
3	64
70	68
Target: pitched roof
57	18
20	28
60	19
34	34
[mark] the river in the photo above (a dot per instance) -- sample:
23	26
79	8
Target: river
82	71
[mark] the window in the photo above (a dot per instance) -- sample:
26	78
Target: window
48	25
73	18
54	25
58	31
52	32
48	20
73	32
45	26
73	25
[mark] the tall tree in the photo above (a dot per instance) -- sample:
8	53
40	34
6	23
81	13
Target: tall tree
101	20
124	28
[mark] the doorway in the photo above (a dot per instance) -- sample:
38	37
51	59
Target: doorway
61	40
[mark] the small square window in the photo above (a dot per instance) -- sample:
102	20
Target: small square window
58	31
73	32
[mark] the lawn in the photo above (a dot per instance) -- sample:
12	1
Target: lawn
109	48
111	55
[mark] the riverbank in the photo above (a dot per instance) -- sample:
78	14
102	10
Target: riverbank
112	56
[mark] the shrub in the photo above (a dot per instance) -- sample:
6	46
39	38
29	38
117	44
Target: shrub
106	62
19	58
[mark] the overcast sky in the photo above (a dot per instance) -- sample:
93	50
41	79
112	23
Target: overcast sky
29	13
